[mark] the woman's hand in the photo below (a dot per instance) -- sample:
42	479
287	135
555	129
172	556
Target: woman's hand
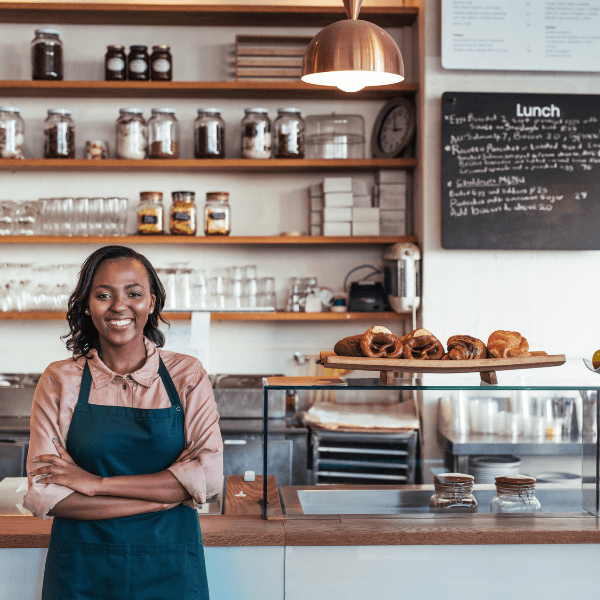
62	470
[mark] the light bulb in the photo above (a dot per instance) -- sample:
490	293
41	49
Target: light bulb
350	86
352	81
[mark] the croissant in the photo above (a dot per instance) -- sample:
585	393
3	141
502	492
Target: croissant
506	344
421	344
465	347
376	342
380	342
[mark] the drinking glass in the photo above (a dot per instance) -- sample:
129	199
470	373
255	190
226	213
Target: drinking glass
198	289
183	289
111	217
266	292
24	219
95	226
7	217
82	212
217	292
234	293
122	216
65	216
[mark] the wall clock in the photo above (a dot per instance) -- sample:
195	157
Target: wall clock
393	129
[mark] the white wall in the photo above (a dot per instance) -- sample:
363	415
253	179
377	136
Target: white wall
262	204
548	296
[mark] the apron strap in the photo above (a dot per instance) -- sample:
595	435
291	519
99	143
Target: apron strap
86	384
168	383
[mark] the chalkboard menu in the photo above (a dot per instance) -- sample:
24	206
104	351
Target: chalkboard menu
520	171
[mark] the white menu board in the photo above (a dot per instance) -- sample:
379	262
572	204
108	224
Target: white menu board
521	35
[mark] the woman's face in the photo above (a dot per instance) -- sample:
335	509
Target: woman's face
120	301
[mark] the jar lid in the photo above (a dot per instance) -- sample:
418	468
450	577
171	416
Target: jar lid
115	47
184	192
450	478
49	30
161	47
209	111
59	111
183	196
141	48
281	111
260	111
155	196
217	195
515	480
11	109
130	111
158	111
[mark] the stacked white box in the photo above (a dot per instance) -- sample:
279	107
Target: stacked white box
315	209
370	213
337	228
361	197
337	206
392	222
342	214
386	177
337	199
365	228
337	184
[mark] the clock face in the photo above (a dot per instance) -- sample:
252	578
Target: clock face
394	128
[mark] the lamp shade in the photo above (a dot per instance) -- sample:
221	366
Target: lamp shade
352	54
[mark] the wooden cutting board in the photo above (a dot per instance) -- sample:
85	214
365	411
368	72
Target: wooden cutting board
388	366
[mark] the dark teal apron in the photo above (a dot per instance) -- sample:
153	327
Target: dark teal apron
153	556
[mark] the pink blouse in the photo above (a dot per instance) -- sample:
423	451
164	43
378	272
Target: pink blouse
56	397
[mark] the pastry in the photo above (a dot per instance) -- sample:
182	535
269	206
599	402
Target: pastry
507	344
376	342
465	347
422	345
380	342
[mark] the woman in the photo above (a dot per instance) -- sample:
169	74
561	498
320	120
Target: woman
125	444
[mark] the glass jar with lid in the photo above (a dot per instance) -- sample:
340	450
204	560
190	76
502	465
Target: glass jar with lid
151	213
161	63
515	494
138	63
217	214
209	134
183	219
115	65
59	134
453	494
12	132
132	134
335	136
46	55
256	133
289	133
163	134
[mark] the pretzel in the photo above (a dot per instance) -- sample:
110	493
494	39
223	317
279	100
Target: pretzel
421	344
380	342
465	347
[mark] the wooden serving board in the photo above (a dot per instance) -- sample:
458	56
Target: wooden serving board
387	367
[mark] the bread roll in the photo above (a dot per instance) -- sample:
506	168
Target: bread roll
507	344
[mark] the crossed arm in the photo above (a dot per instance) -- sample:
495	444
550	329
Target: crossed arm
97	497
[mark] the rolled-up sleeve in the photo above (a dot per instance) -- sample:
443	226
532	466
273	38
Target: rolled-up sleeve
44	426
202	476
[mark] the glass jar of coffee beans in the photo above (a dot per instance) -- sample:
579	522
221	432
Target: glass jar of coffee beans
59	134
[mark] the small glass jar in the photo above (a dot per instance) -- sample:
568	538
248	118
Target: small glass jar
132	134
289	133
184	215
12	132
515	494
163	134
161	63
209	134
217	214
59	134
256	133
151	213
115	63
46	55
138	63
453	494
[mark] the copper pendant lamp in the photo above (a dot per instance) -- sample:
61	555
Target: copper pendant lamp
352	54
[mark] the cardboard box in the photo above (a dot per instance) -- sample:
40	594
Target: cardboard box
337	184
359	188
362	201
365	228
316	217
337	229
391	196
316	230
392	222
337	214
365	214
390	176
338	199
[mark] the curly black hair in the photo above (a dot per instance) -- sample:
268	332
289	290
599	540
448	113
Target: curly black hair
83	335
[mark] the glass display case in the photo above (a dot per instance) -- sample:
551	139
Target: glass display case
551	417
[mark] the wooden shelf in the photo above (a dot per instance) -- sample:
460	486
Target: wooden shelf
232	15
225	316
240	165
252	240
196	89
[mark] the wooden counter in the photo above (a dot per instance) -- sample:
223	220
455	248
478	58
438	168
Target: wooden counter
345	530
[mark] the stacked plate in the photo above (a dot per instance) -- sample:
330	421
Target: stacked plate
485	469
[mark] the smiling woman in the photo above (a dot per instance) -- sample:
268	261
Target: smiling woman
125	444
